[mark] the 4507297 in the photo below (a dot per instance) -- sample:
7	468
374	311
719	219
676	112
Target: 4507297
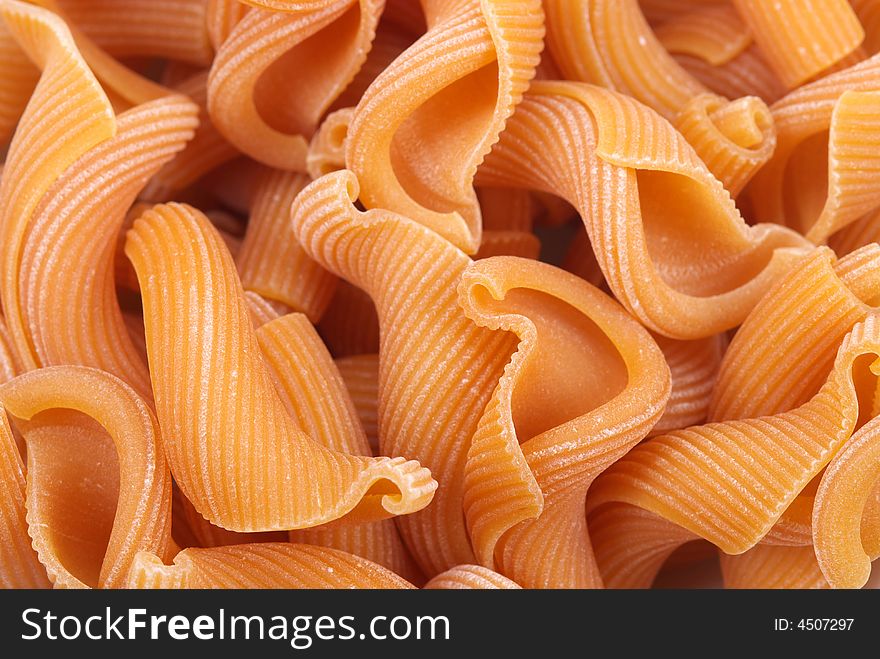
813	624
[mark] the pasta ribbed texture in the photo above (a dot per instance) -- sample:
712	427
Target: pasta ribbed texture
436	368
70	311
314	393
271	262
45	143
159	28
686	266
361	376
552	427
267	565
255	67
470	577
730	482
233	449
139	515
802	38
439	107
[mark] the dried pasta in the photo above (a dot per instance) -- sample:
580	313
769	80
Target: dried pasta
452	294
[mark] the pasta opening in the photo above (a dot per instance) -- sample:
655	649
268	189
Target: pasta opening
73	489
670	205
417	142
694	564
803	204
744	122
551	389
309	65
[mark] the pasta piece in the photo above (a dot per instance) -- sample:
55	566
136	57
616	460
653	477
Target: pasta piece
845	545
624	563
350	325
747	74
785	350
580	260
505	209
422	128
327	148
864	231
18	77
686	265
265	565
508	243
868	12
206	151
694	366
204	534
131	514
232	447
795	35
734	139
714	33
256	94
221	17
766	566
271	262
19	565
262	310
68	304
314	394
160	28
552	425
361	376
470	577
436	368
730	482
609	43
658	12
43	147
819	180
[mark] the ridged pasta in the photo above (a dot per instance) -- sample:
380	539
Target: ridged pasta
714	33
774	567
436	368
819	178
694	366
450	94
109	468
19	565
265	565
18	77
730	482
609	43
470	577
43	147
271	58
160	28
232	447
687	266
734	140
350	325
802	39
314	394
845	540
271	262
361	376
327	149
68	305
551	426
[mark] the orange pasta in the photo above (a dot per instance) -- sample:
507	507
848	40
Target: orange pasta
658	256
457	362
174	248
265	49
470	577
271	262
314	393
450	94
454	294
112	464
528	470
794	36
265	565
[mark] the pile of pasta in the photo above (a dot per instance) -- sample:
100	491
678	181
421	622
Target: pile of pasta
439	293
